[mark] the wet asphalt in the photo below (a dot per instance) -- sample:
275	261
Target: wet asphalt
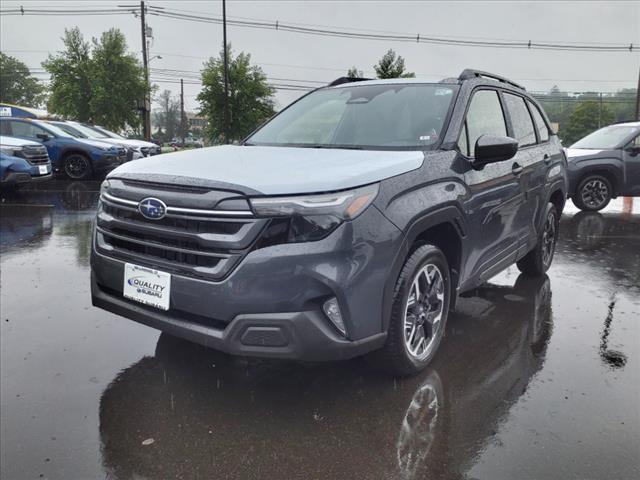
535	379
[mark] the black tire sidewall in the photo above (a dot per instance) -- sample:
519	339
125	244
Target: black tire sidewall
88	171
577	198
423	255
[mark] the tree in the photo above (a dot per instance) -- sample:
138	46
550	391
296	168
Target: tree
391	67
102	84
118	82
17	85
70	73
586	118
167	118
353	72
250	96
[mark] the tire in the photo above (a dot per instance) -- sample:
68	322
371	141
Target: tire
538	260
594	193
430	314
77	166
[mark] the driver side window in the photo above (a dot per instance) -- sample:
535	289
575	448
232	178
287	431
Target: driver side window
26	130
484	117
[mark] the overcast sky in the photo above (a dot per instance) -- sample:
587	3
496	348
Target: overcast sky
284	55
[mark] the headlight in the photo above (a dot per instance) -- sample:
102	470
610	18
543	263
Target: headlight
11	150
344	205
310	217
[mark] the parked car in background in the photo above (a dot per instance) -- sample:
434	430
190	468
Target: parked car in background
347	224
147	148
604	165
189	142
22	162
78	158
80	130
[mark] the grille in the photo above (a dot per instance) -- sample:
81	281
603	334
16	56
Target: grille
197	245
35	155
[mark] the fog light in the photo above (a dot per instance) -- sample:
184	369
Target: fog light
332	311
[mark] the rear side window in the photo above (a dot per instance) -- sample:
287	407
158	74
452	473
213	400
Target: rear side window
541	126
484	117
523	128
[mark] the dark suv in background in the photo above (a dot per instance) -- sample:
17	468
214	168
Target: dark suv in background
604	165
347	224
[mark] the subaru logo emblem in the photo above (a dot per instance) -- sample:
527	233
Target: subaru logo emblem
152	208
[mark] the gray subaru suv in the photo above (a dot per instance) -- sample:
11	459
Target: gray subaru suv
347	224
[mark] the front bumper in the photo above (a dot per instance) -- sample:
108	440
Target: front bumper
270	305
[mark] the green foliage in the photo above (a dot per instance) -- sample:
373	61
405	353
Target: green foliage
250	96
118	82
17	85
99	83
586	118
391	66
167	118
353	72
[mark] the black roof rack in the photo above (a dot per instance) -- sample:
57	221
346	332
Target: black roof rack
341	80
470	73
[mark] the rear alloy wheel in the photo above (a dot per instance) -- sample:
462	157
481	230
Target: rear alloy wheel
419	312
593	194
538	260
77	167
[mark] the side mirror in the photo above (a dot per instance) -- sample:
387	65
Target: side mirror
43	136
492	149
633	150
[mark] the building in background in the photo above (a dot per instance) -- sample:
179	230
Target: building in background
196	124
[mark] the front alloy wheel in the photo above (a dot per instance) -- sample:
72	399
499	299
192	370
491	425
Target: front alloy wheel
593	194
77	167
419	312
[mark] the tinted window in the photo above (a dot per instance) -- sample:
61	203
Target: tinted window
5	128
484	117
402	116
523	129
541	126
26	130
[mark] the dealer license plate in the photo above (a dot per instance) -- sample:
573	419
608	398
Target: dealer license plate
44	169
146	285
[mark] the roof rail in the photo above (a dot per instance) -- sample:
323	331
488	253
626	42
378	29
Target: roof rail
470	73
341	80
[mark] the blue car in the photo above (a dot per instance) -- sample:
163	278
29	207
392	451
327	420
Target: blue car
78	158
22	162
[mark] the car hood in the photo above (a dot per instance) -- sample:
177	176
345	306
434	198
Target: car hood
133	142
586	154
16	142
272	170
95	143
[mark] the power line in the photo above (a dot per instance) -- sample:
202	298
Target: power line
329	31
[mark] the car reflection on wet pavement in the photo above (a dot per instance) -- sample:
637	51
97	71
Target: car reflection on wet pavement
537	378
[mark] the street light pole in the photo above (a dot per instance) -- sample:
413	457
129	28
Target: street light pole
226	71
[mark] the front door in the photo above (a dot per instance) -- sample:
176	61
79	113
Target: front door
495	194
632	168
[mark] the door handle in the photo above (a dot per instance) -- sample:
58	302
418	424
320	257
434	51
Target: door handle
517	169
546	158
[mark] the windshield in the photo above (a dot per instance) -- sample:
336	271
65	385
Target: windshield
384	116
108	133
607	138
88	132
69	129
54	129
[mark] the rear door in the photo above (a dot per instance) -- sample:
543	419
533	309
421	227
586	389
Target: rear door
532	157
495	195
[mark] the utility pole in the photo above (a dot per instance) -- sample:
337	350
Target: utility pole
182	114
600	112
146	117
226	71
638	97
